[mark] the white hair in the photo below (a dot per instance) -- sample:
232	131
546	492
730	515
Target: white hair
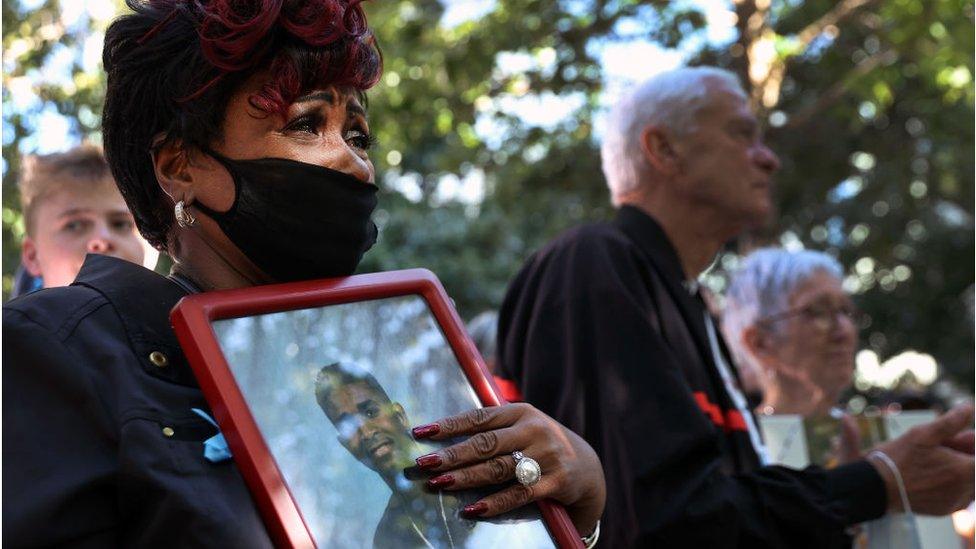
672	100
762	287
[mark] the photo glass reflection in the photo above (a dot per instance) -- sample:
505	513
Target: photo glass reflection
334	391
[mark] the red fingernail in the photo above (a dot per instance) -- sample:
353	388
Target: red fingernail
429	461
475	509
426	431
442	481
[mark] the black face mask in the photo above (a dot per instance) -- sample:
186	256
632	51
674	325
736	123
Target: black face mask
297	221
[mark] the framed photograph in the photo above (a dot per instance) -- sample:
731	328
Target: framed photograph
315	386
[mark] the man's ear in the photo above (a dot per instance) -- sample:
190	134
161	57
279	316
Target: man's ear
400	412
172	166
344	442
28	256
658	148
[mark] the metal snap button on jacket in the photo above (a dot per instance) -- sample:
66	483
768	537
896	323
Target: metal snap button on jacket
158	359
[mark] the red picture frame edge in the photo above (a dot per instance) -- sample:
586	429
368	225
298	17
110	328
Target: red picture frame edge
191	318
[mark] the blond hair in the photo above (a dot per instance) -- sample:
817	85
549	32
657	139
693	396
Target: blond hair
42	176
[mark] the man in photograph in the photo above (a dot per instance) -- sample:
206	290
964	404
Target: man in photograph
375	430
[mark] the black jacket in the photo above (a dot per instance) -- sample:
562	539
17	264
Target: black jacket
100	447
598	331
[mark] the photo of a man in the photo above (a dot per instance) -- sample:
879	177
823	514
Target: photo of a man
375	430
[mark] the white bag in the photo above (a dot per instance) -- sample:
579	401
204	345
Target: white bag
893	531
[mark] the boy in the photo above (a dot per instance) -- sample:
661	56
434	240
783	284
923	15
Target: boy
72	208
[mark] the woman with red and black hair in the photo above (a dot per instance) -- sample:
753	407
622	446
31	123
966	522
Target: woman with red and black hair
237	134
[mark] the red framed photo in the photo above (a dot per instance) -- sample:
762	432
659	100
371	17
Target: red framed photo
315	386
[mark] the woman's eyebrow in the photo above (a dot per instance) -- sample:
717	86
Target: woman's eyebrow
317	96
355	109
352	107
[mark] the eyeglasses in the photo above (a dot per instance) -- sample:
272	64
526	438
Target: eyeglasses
820	316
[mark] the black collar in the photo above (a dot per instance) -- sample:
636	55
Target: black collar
645	232
648	235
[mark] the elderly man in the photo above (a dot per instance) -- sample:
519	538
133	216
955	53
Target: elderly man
605	330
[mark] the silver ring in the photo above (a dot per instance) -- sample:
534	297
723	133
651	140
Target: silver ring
527	470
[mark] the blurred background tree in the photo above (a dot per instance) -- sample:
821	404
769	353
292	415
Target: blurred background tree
489	114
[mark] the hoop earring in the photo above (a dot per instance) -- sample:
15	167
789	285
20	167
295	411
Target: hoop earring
183	217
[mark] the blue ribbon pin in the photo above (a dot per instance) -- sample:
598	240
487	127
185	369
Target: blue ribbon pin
215	448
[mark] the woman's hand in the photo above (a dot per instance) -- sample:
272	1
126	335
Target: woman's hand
571	471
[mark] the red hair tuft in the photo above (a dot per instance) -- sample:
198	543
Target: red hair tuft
301	42
314	23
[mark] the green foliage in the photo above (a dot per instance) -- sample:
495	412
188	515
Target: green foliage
537	181
873	120
881	174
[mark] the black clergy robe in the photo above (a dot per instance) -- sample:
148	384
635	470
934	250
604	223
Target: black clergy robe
600	331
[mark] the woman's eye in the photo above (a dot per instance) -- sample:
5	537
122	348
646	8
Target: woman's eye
306	124
359	139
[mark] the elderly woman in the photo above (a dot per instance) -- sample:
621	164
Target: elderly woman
788	318
237	134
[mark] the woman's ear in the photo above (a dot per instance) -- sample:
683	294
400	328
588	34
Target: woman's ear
759	343
172	167
658	148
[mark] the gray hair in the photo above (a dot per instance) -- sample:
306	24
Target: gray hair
672	100
763	285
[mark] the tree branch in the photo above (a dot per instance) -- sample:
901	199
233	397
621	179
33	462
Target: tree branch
839	12
766	69
837	91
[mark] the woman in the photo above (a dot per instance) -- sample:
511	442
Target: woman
788	317
237	134
791	327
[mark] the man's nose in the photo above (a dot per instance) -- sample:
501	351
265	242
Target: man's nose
766	159
366	430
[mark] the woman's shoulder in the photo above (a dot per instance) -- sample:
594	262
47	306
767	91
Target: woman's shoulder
102	282
54	310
